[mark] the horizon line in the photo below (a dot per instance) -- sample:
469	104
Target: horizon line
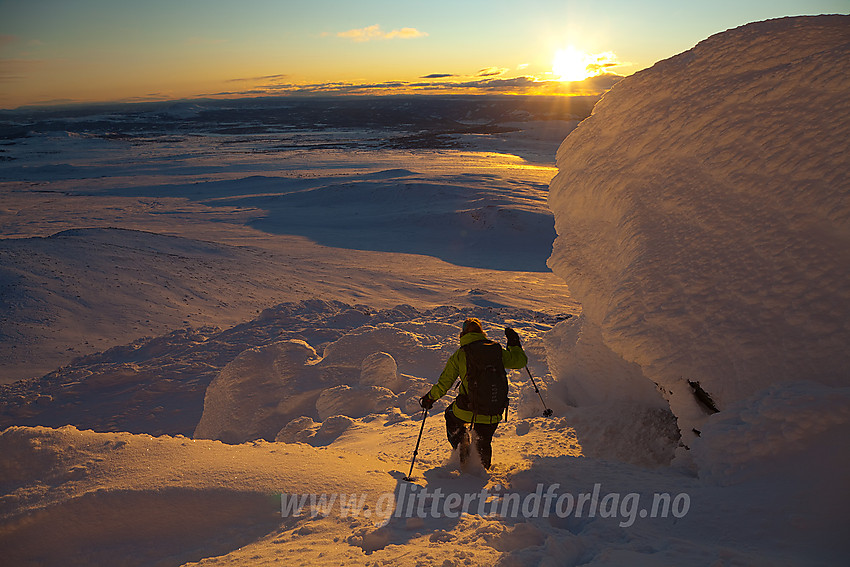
67	104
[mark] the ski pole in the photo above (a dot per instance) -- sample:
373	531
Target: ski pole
416	450
546	411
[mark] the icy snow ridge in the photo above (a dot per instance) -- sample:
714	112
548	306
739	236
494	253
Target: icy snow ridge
703	218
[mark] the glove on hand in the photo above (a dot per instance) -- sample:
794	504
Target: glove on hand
426	402
512	336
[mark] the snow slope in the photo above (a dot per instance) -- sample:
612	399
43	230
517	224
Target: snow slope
106	498
157	500
703	219
99	287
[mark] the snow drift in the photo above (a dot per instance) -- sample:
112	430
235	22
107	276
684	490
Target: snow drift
703	220
141	500
286	390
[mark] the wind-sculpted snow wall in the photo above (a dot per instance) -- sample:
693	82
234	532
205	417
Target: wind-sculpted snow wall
703	220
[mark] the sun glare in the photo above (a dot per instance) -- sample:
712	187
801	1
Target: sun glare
571	64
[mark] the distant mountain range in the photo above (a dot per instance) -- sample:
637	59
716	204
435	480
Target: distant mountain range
416	114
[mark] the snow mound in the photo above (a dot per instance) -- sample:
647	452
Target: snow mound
285	390
579	357
418	348
260	388
703	220
158	385
379	378
354	402
380	369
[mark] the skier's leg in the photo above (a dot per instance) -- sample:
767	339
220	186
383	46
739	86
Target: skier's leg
455	429
484	434
457	433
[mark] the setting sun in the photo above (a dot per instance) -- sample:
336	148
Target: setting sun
571	64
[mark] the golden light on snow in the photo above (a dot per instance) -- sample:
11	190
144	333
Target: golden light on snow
572	64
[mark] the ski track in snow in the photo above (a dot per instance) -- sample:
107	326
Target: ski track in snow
227	325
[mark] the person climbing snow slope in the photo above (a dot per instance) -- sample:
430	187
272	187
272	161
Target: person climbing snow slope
483	395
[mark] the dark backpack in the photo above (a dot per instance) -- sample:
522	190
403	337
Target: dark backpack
486	379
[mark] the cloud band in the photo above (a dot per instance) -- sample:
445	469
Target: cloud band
374	32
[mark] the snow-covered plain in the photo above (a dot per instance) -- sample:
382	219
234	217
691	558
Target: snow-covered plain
219	311
259	217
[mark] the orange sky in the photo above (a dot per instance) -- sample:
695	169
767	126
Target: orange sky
97	50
